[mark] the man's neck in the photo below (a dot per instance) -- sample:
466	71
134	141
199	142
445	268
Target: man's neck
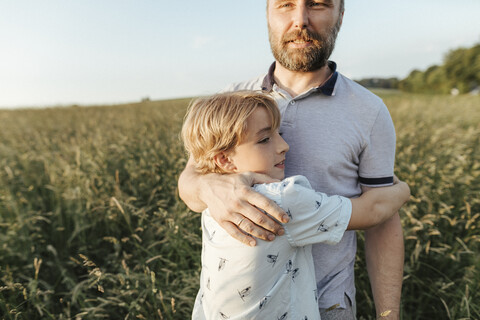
297	82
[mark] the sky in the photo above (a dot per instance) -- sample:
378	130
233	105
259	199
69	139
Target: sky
88	52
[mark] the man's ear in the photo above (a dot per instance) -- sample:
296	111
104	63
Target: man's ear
341	17
223	161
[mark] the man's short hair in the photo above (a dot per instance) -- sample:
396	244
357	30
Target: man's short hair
218	124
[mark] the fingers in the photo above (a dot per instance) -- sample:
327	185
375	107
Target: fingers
264	204
395	179
240	223
241	220
252	221
235	232
241	211
246	231
407	191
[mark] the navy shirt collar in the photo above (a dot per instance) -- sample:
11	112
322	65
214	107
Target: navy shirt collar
326	88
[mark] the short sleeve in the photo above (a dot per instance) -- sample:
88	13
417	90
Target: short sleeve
378	157
314	216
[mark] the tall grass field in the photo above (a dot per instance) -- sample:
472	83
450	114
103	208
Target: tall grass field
91	225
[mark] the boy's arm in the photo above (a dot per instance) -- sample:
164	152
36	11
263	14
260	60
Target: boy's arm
377	205
316	217
232	203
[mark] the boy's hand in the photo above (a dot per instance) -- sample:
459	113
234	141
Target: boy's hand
395	179
233	204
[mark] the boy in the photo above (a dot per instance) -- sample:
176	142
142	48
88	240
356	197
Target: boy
238	132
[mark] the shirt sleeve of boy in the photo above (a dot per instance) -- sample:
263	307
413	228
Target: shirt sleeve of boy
378	157
314	216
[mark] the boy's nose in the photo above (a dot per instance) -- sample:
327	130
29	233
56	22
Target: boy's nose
283	145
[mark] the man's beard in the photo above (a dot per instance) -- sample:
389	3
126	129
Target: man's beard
307	59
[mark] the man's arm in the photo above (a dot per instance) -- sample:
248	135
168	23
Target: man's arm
232	203
384	251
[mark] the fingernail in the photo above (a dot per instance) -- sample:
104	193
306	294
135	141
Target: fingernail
281	232
252	243
285	218
271	237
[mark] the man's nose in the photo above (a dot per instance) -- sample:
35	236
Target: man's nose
300	16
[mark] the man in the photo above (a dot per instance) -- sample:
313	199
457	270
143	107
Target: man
341	138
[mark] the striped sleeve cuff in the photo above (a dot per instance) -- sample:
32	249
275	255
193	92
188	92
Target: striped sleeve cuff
376	182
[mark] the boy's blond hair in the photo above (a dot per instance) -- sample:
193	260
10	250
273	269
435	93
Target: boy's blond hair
218	124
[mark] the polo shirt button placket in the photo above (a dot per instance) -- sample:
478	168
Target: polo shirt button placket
290	113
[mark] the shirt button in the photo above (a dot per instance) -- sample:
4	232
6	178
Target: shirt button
292	102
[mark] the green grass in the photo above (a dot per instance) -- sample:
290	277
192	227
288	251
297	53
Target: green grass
91	225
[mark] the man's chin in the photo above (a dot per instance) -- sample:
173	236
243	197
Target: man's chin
296	62
302	68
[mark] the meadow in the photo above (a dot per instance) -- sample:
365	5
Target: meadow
91	225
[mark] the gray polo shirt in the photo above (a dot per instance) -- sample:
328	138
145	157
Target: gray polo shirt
341	136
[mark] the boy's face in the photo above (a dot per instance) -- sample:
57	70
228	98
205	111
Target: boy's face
263	149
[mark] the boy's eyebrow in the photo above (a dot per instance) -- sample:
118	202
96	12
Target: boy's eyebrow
264	130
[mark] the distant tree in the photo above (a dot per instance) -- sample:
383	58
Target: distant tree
460	70
436	80
414	82
385	83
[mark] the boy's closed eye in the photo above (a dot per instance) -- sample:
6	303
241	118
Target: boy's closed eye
264	140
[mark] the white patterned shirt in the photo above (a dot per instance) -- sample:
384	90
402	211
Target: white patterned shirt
273	280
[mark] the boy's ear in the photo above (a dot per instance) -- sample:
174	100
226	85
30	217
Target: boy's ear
224	162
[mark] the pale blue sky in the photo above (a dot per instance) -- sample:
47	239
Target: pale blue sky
60	52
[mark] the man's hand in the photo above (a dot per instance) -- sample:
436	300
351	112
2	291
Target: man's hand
233	203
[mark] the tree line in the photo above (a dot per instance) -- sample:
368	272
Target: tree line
460	72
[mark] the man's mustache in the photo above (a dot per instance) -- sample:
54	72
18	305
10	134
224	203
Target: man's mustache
304	35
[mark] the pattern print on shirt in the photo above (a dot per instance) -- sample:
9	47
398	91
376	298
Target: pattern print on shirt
263	302
224	316
289	266
244	293
318	204
221	264
271	258
295	273
212	235
283	316
322	227
289	214
208	283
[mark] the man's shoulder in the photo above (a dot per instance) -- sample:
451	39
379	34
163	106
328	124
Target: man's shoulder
358	98
252	84
351	88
